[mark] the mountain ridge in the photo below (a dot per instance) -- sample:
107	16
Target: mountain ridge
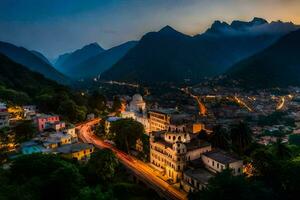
66	61
276	66
168	55
27	58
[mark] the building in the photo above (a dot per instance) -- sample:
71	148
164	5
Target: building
160	119
43	119
195	179
59	139
144	120
170	151
4	116
137	104
31	147
71	130
78	151
29	111
56	126
218	160
128	114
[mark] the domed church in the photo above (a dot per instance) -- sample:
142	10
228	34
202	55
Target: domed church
137	104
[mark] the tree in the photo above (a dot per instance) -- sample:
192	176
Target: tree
241	136
281	150
228	187
88	193
35	175
117	104
125	133
102	166
97	102
220	138
24	131
71	111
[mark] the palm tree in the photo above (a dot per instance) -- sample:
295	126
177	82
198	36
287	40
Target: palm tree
241	136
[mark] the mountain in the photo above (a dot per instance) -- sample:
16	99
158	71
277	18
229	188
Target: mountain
19	84
276	66
170	56
31	61
166	55
66	62
257	26
94	66
41	56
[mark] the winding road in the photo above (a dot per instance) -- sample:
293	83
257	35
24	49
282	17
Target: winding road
139	168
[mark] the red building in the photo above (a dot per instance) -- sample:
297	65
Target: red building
42	120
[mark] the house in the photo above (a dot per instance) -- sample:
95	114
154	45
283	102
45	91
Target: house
31	147
59	139
70	129
57	126
43	119
195	179
218	160
78	151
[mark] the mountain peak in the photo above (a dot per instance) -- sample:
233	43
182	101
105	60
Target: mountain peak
93	45
219	24
259	21
167	28
218	27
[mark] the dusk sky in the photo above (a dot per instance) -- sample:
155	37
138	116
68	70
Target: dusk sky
58	26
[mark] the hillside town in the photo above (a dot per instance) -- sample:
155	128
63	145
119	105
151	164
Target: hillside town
149	100
181	151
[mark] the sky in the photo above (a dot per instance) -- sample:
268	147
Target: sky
55	27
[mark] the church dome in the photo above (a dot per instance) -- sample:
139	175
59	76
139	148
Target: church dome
137	97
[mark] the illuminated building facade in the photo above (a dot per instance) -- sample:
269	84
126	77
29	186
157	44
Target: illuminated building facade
163	119
171	150
44	119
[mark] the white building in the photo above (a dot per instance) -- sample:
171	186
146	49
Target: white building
170	151
195	179
137	104
218	160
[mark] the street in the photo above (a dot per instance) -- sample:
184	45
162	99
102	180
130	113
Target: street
138	167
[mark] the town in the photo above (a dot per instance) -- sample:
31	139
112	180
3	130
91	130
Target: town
178	149
149	100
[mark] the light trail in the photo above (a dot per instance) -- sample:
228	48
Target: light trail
138	167
242	103
281	104
201	106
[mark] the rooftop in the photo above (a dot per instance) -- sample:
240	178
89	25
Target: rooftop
200	175
113	119
72	148
166	111
222	156
42	115
196	143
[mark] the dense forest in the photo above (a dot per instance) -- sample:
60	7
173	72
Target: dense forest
20	86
